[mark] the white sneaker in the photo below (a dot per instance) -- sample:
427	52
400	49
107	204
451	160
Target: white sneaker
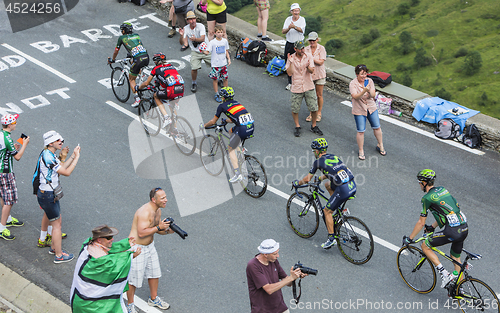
288	87
131	308
445	280
136	103
236	178
159	303
329	243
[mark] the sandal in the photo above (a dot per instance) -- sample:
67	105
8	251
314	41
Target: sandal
382	152
184	48
309	118
361	157
318	119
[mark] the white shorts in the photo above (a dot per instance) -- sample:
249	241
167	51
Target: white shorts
145	264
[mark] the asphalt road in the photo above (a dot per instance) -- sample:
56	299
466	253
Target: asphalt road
54	75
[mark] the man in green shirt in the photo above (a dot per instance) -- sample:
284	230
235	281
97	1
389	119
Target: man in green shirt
8	189
448	216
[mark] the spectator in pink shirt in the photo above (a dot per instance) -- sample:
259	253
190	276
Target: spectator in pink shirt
362	91
319	76
300	66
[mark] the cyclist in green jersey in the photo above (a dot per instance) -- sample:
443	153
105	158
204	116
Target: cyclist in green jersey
132	42
448	216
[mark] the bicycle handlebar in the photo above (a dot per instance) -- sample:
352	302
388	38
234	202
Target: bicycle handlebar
311	184
218	127
121	61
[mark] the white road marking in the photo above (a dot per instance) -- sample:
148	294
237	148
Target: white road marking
270	188
422	132
40	63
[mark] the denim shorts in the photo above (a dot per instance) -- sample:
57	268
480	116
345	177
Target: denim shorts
361	121
46	202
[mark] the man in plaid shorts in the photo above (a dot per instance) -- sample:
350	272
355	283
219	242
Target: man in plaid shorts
8	190
147	222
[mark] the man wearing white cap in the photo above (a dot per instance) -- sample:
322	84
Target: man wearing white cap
294	28
46	180
8	188
266	277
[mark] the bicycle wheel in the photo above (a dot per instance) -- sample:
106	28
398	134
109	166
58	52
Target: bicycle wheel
416	269
120	84
211	155
355	241
475	296
302	214
150	117
185	139
254	177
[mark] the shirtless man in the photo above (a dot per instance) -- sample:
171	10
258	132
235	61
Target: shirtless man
147	221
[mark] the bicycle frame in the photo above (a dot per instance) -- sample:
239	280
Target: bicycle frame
463	274
219	128
317	194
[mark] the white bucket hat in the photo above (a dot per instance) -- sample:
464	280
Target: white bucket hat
268	246
51	136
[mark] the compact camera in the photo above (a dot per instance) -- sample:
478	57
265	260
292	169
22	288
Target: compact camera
176	228
305	270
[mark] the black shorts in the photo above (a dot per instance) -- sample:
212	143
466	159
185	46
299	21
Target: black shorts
139	63
240	133
454	235
220	18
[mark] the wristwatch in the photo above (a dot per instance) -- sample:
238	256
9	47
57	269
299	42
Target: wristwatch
158	226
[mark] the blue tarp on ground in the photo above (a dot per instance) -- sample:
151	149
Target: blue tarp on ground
432	110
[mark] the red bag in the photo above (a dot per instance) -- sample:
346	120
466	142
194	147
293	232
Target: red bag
380	78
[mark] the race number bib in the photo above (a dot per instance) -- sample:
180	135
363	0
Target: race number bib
344	177
171	80
245	119
453	220
136	50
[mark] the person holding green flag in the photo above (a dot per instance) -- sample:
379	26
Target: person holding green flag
101	272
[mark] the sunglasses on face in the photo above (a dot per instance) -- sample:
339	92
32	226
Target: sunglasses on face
108	238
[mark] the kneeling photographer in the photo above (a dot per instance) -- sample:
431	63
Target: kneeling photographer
266	277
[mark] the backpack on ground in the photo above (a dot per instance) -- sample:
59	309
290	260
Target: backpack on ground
380	78
256	52
472	137
447	129
276	66
241	52
139	2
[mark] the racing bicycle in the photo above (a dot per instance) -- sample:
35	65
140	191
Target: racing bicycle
213	148
354	239
119	77
470	294
150	116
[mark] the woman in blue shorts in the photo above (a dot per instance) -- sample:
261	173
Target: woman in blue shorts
362	91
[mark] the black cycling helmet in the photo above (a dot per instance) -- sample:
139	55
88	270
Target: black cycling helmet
226	93
157	57
126	28
319	144
427	176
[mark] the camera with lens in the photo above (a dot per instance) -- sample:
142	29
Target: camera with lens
305	270
195	43
176	228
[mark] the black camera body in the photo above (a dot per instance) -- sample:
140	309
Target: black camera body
305	270
176	228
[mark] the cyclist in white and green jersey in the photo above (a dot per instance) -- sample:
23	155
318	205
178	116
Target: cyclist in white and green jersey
8	189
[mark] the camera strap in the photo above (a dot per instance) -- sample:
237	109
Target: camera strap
294	290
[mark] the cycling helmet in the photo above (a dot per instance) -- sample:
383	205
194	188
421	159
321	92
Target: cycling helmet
157	57
226	93
426	175
319	144
127	28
